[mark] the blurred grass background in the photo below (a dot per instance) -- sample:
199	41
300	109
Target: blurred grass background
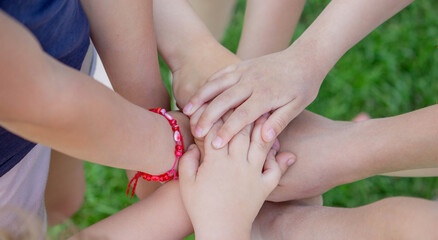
392	71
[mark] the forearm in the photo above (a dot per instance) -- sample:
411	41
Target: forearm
123	34
391	218
339	27
268	27
160	216
180	32
46	102
425	172
345	152
403	142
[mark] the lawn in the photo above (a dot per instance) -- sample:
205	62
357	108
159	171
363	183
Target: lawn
392	71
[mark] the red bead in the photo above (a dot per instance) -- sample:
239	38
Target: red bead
148	178
166	177
155	178
172	122
175	127
177	136
168	117
178	153
179	147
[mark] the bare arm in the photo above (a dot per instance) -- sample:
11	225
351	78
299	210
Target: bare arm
188	47
339	27
268	26
301	68
332	153
425	172
49	103
123	34
391	218
161	216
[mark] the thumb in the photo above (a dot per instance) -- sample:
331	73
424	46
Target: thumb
279	120
188	165
285	160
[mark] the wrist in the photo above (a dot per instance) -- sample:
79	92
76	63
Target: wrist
202	62
183	52
165	143
311	58
234	232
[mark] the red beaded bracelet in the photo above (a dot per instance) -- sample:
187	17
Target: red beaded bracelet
179	150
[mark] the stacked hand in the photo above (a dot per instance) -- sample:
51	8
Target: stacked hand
230	184
273	83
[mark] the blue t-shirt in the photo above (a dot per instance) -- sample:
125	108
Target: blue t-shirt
62	29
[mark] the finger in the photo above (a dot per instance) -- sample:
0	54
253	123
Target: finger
219	106
272	172
210	90
258	149
245	114
278	120
225	70
195	118
239	144
209	150
227	115
285	160
276	145
188	165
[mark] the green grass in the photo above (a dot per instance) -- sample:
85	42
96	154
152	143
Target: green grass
392	71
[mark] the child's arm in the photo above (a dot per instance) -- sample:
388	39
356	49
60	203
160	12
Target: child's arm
188	47
215	191
332	153
425	172
391	218
49	103
123	33
268	27
160	216
287	82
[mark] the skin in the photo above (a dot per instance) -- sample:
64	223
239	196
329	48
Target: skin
239	172
134	74
309	131
302	67
388	219
332	153
167	206
268	28
391	218
47	102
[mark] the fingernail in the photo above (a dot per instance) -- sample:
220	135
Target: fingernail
198	132
270	135
188	108
217	142
276	145
290	161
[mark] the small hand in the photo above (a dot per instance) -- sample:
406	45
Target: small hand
273	83
224	194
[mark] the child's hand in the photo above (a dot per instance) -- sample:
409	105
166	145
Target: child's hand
271	83
224	195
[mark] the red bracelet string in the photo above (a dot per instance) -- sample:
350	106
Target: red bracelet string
179	150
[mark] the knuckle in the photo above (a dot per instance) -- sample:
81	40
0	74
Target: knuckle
228	131
241	113
279	123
